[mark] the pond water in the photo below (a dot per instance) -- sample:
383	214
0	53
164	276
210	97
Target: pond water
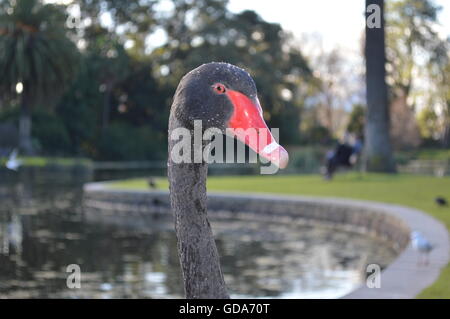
43	230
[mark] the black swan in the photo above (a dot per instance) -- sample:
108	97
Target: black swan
224	96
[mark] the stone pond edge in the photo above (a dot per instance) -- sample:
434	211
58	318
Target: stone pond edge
403	278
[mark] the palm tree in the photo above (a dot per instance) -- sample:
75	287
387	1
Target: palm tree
378	144
37	59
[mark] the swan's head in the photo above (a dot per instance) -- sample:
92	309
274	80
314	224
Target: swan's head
224	96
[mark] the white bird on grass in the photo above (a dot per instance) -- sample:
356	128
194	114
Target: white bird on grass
422	245
13	163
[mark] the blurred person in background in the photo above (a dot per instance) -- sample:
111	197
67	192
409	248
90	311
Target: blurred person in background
345	154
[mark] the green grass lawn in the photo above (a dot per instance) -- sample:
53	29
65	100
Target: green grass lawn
433	154
38	161
409	190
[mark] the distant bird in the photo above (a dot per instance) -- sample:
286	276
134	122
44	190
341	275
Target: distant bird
422	245
441	201
152	183
12	236
13	163
15	233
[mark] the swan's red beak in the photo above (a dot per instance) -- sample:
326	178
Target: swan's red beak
247	115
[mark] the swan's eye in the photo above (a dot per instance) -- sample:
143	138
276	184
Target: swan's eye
219	88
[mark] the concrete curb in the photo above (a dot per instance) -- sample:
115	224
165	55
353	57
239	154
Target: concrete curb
403	278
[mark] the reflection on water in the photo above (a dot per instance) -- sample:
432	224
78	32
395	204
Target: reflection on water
42	231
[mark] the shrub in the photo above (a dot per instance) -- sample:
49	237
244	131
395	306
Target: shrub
122	141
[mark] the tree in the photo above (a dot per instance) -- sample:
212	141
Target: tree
37	59
410	32
336	86
197	32
378	144
356	120
107	55
414	50
204	31
438	97
429	124
404	129
444	90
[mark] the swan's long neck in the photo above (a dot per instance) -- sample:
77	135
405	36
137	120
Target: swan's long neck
196	247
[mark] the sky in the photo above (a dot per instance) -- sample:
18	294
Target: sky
340	23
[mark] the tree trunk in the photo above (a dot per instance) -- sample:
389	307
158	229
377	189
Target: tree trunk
446	135
378	145
106	105
25	143
445	140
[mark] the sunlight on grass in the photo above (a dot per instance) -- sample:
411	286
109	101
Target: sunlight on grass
49	161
